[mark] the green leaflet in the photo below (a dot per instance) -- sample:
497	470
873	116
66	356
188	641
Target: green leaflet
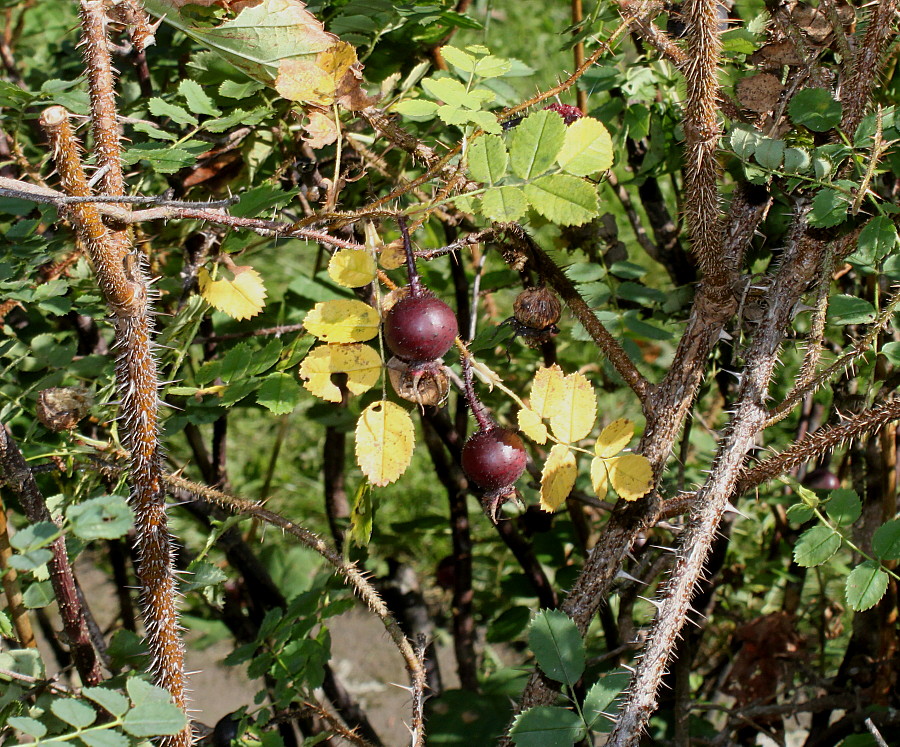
488	159
536	143
587	148
563	198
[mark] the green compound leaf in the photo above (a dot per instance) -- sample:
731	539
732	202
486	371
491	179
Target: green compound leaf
417	109
796	160
197	99
563	199
279	393
177	114
599	701
73	712
877	239
886	540
104	517
106	738
816	546
114	702
488	159
866	585
770	153
557	645
30	726
816	109
504	204
843	309
154	718
536	143
843	507
458	58
547	726
829	208
587	148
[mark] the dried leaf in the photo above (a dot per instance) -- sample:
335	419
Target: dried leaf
321	130
392	256
352	268
631	476
241	298
614	437
531	425
342	321
384	442
557	477
599	477
360	363
333	76
759	93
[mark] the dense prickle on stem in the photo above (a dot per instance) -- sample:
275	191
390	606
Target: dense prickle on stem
420	328
494	459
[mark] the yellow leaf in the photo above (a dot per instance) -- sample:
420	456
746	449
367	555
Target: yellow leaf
333	75
241	298
631	476
392	256
342	321
352	268
531	425
557	477
573	410
320	130
599	477
614	437
361	364
384	442
546	389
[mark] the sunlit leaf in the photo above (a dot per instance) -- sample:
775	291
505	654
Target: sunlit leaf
815	546
535	144
558	477
488	159
631	475
587	148
320	129
546	389
352	268
342	321
562	198
362	515
384	442
531	425
599	477
241	298
360	363
504	204
614	437
573	410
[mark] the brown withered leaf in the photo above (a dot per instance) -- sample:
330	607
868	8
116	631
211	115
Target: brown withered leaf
812	22
333	76
759	93
772	56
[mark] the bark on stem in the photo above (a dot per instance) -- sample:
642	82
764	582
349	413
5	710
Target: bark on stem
18	477
124	284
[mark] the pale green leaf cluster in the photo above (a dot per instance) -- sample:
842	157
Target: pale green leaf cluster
541	165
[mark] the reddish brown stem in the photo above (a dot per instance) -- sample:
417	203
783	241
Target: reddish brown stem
20	480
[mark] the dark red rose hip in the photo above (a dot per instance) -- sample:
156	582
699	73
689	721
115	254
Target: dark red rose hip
494	458
420	328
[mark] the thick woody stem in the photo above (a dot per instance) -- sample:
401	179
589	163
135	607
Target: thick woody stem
124	284
19	479
858	89
702	131
101	84
800	266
